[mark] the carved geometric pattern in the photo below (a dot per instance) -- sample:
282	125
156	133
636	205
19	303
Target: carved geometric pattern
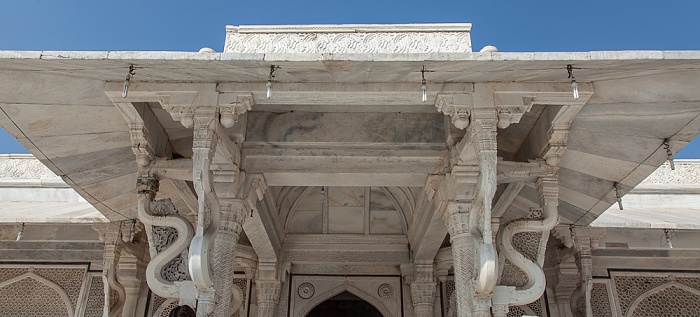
515	311
449	289
600	300
693	282
306	290
536	307
11	272
96	298
385	291
512	275
669	302
167	309
31	298
242	283
528	244
157	301
630	287
69	279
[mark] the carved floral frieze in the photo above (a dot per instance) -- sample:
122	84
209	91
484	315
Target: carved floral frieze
359	42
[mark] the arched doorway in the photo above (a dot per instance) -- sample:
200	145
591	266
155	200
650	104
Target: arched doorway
344	304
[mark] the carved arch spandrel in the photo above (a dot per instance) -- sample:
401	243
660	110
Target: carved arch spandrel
660	288
318	299
52	285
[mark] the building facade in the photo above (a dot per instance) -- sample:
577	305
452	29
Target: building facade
343	170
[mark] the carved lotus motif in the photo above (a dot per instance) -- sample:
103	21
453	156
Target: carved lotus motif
385	291
306	290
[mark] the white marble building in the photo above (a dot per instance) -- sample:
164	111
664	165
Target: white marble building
370	170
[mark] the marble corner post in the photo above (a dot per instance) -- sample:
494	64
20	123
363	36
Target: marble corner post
584	241
232	214
131	275
268	287
423	288
110	234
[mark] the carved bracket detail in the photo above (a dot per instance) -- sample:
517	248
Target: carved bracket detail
456	107
230	112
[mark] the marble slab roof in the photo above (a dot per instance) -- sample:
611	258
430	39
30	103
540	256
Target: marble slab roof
55	104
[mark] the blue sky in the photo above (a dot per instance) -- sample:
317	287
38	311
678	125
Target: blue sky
177	25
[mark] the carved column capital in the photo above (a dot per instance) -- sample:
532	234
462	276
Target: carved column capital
457	106
232	216
268	295
548	190
457	218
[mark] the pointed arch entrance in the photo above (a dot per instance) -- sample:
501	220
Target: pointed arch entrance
344	304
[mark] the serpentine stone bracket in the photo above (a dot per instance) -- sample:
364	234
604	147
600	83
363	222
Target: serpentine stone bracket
163	249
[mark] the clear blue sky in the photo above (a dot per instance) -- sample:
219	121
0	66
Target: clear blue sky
178	25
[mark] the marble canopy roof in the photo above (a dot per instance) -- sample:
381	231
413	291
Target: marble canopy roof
373	120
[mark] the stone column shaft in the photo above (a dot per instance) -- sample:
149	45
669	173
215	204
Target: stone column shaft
232	215
463	255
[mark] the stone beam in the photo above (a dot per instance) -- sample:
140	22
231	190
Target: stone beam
428	229
346	167
260	226
507	198
187	194
326	97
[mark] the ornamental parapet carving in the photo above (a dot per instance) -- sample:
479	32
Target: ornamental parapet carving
24	167
351	39
686	173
